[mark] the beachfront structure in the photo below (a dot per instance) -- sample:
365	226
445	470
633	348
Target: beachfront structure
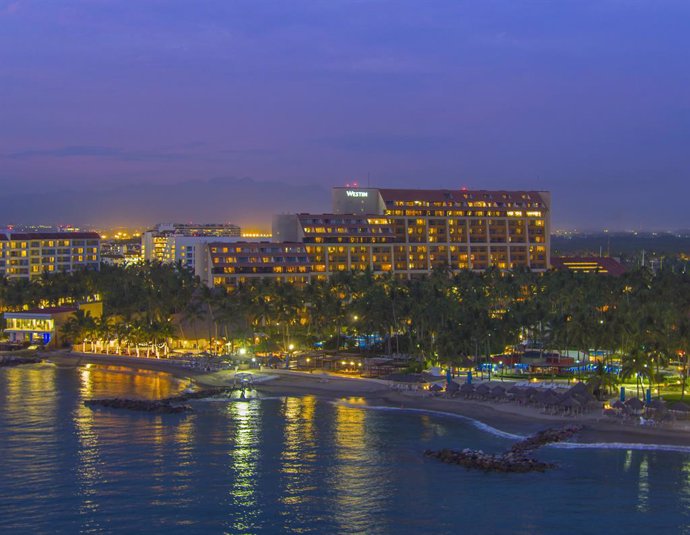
185	242
604	265
41	326
28	255
401	231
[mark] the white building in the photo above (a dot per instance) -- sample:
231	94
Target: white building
186	243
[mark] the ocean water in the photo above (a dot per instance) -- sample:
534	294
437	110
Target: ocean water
296	465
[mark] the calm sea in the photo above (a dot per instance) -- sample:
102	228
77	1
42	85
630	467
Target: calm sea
295	465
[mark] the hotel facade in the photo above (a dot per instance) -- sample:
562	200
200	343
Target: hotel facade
403	232
28	255
185	242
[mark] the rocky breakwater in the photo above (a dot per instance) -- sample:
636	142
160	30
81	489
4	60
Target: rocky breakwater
513	460
15	360
169	405
200	394
154	406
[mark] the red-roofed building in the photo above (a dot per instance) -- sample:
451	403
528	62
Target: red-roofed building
410	232
589	264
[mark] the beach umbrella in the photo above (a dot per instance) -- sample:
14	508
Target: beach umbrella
584	398
634	404
578	387
679	406
569	403
530	392
520	393
452	387
657	404
498	392
483	390
435	387
514	389
550	397
619	405
539	398
467	389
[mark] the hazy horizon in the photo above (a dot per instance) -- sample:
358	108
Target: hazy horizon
120	112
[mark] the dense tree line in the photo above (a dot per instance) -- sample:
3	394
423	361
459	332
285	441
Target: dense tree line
641	318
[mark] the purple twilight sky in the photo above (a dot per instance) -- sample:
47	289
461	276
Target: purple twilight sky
134	111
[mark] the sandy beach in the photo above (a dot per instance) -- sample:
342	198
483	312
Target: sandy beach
507	417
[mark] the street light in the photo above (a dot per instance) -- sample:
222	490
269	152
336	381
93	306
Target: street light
291	347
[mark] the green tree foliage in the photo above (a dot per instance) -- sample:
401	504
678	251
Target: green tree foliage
443	317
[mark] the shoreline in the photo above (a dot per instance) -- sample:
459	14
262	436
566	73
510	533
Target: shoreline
374	393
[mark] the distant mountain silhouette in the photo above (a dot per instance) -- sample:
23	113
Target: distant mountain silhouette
242	201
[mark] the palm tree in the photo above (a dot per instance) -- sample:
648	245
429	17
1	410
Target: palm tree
79	327
636	364
103	329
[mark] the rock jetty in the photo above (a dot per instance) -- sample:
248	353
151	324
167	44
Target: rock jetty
161	406
199	394
12	360
154	406
547	436
514	460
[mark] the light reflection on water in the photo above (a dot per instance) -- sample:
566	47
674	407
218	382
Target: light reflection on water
117	381
293	464
243	452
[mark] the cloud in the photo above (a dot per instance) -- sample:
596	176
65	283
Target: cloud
11	8
163	154
387	143
95	151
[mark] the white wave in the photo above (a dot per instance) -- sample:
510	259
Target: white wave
475	423
504	434
619	446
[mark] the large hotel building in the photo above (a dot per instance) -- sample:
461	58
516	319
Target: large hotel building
399	231
28	255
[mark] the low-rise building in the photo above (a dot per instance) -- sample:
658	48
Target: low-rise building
603	265
41	326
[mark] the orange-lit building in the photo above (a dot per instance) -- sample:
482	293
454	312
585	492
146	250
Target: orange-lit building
400	231
589	264
28	255
235	263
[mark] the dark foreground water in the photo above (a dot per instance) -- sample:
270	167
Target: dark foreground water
295	465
